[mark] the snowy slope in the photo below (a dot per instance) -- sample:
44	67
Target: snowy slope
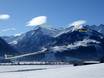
18	68
79	42
5	48
36	39
99	28
14	39
90	71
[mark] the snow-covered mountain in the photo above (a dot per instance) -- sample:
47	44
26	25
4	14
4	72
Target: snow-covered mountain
72	43
14	39
99	28
33	40
75	44
6	49
83	43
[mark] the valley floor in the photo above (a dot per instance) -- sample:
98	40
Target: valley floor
52	71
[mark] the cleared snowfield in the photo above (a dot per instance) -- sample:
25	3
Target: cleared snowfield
52	71
25	68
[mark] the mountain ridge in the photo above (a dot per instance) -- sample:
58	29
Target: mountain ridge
82	43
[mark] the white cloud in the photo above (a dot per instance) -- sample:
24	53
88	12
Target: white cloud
82	43
78	24
37	21
13	42
7	29
18	34
75	45
4	16
59	48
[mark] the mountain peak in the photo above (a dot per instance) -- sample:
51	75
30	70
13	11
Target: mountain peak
46	30
77	27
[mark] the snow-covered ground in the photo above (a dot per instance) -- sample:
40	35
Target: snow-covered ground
25	68
52	71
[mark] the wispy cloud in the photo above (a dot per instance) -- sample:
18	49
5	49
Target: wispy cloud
18	34
37	21
4	16
83	43
78	22
7	29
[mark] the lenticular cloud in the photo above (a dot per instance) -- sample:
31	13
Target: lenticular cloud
77	23
4	16
37	21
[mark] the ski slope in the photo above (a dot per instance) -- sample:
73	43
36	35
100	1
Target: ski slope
63	71
28	54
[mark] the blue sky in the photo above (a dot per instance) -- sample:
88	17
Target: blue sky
60	13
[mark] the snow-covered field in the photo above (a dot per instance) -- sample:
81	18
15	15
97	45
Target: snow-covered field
52	71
